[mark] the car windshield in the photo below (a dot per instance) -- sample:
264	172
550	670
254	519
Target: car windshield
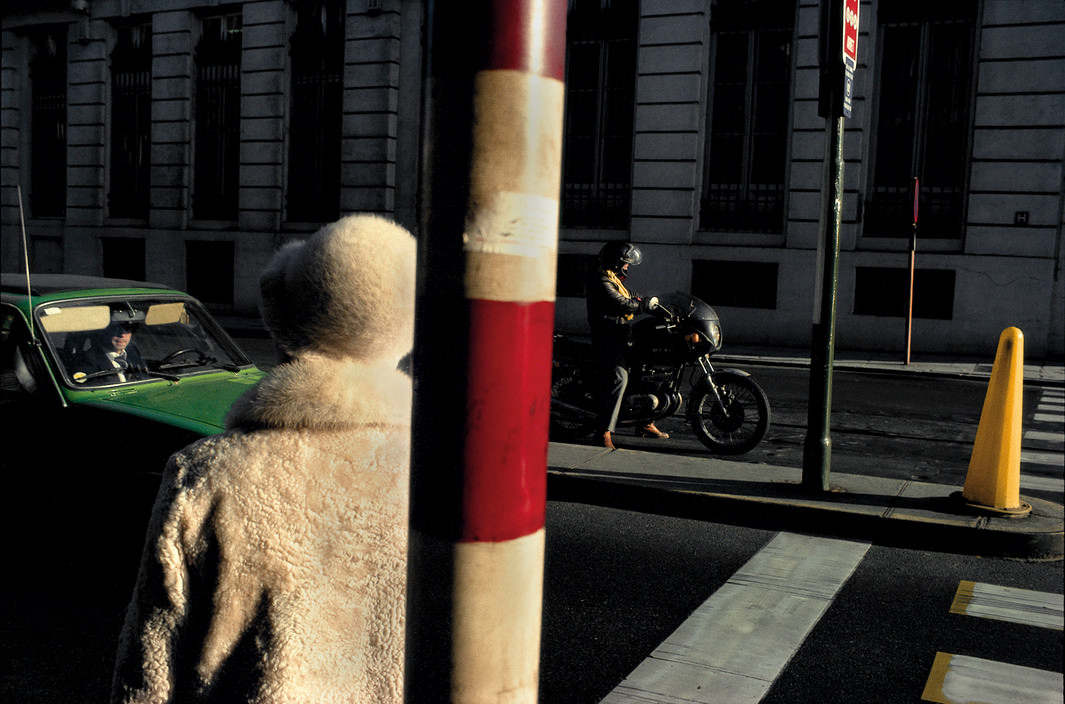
112	341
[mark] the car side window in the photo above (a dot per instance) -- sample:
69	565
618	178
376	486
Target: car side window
20	373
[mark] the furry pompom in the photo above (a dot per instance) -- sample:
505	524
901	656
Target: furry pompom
348	291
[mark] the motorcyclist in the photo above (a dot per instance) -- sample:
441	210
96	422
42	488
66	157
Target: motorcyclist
611	310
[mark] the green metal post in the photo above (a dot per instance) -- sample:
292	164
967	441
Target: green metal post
817	450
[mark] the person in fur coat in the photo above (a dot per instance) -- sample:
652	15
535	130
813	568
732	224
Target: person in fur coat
274	569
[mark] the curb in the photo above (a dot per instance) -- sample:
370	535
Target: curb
935	526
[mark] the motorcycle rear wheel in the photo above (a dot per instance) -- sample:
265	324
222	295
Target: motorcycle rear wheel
564	425
737	427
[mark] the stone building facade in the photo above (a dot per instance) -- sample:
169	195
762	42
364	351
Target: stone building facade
692	129
728	155
256	122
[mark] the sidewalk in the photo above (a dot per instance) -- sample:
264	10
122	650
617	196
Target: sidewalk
887	511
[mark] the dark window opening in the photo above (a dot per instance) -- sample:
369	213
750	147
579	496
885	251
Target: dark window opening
131	121
923	119
215	190
600	92
209	271
48	129
317	52
885	291
123	257
746	158
736	284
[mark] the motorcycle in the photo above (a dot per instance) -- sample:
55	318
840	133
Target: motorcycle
727	410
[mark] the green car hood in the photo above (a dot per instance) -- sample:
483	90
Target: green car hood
199	404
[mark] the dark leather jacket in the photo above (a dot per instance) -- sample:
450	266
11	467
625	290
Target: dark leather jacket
610	304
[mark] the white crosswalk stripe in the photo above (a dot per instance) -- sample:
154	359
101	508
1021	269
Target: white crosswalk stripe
1047	427
1048	417
1032	482
1010	604
734	646
955	679
959	679
1045	436
1051	459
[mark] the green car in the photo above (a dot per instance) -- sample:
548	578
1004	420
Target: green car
102	380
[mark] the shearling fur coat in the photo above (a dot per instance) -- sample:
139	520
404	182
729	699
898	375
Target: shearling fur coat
275	565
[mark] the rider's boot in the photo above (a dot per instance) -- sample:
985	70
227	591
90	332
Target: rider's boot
650	431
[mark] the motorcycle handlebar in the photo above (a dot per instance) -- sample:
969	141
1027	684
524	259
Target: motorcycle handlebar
663	312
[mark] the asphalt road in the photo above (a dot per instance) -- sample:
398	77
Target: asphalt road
618	583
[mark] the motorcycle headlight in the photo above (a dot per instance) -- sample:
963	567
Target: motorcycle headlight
715	335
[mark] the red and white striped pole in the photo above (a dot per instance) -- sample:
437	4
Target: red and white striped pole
509	246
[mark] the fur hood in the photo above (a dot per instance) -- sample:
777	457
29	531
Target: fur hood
348	291
317	392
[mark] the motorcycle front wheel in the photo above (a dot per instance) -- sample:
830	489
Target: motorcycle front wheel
738	423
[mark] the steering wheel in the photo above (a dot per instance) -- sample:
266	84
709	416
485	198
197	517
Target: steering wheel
177	353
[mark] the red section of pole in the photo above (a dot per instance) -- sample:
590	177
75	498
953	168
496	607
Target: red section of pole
526	37
505	492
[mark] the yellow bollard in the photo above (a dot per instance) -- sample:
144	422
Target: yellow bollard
993	482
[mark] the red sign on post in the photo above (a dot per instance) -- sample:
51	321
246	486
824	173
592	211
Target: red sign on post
850	51
850	33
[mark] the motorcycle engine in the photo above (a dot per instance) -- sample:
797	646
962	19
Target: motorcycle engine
641	404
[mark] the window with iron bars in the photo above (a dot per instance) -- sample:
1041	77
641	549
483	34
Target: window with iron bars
600	90
217	152
746	157
131	121
48	129
317	52
923	119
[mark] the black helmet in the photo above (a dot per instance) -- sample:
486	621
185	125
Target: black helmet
614	254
